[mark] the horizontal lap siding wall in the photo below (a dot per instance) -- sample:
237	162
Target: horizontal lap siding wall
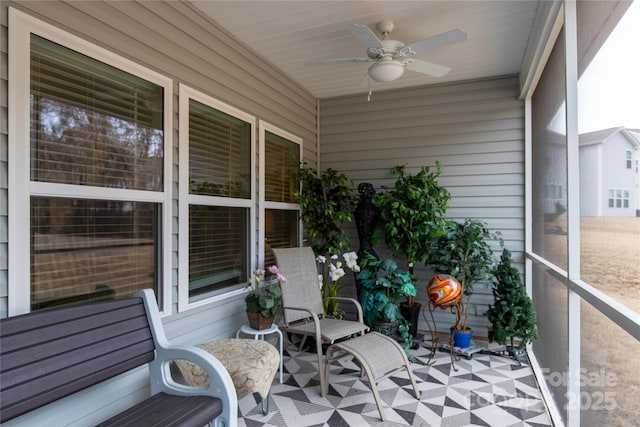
475	129
174	39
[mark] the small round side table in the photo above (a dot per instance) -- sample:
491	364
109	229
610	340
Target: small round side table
248	330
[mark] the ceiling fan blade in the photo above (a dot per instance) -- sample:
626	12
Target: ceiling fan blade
440	40
366	36
429	68
338	61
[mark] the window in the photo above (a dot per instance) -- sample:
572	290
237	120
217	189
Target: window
629	159
618	198
217	197
281	162
89	186
553	191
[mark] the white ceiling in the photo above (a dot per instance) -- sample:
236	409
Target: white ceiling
290	33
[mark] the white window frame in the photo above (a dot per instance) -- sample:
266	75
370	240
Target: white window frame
263	204
21	188
187	93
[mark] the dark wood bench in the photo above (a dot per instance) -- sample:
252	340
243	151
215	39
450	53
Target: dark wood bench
47	355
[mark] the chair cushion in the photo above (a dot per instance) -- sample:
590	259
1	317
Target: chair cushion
252	365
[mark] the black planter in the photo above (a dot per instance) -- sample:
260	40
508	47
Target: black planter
412	314
389	329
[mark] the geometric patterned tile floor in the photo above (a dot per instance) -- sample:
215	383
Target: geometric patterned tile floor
487	390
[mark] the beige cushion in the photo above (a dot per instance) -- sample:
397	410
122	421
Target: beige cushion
252	365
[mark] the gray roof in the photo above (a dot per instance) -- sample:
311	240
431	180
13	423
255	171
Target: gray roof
601	136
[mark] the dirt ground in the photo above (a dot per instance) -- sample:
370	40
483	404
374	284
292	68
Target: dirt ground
610	259
610	262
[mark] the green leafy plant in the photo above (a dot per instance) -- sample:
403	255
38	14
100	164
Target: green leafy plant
384	285
512	313
265	299
463	251
326	204
413	212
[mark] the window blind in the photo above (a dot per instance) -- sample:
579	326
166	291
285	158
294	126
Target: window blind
282	162
93	124
281	231
219	153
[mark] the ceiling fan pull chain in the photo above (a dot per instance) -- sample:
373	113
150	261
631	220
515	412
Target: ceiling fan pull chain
369	84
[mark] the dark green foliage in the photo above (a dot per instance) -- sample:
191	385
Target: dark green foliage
384	285
463	251
413	211
266	300
326	203
512	313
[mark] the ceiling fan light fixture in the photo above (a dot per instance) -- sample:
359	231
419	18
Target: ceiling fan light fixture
386	71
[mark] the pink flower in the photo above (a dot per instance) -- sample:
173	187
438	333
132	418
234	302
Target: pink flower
273	269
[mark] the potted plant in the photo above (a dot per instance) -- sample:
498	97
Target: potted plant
512	313
332	270
384	285
412	213
463	251
264	301
326	203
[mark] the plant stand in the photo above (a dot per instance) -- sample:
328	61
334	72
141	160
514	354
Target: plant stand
508	351
434	334
467	352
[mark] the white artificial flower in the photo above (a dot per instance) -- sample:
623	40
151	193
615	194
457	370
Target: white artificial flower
336	273
334	256
321	259
352	261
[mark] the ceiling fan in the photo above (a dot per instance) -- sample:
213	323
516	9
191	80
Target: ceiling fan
391	57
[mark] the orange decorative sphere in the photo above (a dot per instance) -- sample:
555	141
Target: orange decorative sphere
444	290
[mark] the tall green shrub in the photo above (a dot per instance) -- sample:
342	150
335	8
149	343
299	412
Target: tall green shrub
413	211
463	251
326	204
512	313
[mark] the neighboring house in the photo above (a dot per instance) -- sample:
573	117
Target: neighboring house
609	173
